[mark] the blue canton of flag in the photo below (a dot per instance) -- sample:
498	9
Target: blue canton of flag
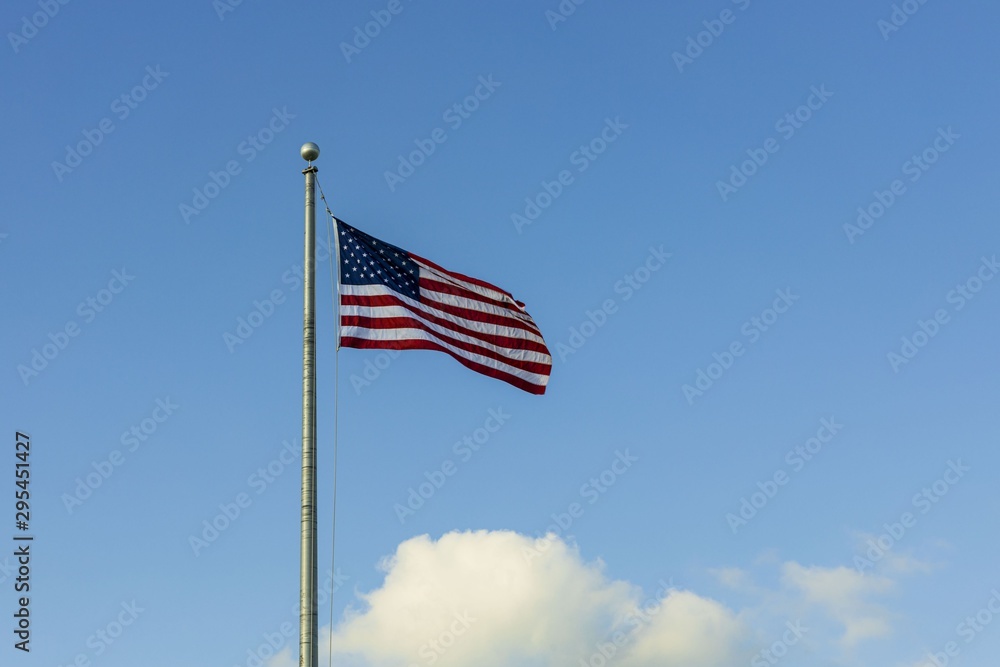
364	260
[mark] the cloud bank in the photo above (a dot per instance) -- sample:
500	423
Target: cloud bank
498	598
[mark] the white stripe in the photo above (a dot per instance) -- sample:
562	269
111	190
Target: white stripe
418	334
433	274
433	296
384	290
398	311
470	327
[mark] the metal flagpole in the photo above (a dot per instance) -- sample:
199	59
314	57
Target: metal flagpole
307	582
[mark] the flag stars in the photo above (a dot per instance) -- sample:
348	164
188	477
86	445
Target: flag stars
368	261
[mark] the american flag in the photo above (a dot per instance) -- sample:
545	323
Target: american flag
393	299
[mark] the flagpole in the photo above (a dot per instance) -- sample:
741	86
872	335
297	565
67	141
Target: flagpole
308	630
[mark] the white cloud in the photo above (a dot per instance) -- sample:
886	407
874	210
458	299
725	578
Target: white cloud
492	598
734	578
476	598
689	630
497	598
845	594
880	554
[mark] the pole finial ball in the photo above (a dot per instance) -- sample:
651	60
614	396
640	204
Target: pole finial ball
310	151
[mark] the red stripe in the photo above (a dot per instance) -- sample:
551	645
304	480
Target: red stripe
513	318
520	383
431	285
389	323
463	313
459	276
458	290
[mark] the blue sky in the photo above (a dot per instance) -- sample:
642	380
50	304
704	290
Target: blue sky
151	166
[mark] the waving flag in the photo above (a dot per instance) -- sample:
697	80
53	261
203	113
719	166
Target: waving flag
393	299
